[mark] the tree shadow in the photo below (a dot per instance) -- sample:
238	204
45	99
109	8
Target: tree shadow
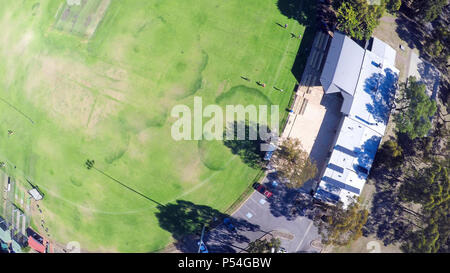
408	145
287	202
387	219
386	216
185	220
246	142
366	154
430	76
381	89
410	31
304	11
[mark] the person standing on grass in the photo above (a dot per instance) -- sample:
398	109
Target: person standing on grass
285	25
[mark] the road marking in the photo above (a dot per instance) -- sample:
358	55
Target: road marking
257	202
306	232
248	207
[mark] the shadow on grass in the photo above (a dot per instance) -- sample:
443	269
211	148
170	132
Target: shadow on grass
185	220
90	165
246	142
304	11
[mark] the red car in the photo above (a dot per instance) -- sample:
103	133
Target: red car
260	188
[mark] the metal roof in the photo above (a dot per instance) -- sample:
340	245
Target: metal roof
342	65
366	108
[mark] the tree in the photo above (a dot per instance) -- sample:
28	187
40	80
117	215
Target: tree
264	246
428	187
423	241
438	45
293	163
431	189
340	226
390	154
347	22
393	5
357	18
413	118
428	10
89	164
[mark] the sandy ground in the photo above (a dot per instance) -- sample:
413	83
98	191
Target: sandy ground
386	31
309	112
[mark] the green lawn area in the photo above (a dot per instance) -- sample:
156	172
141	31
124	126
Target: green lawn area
71	96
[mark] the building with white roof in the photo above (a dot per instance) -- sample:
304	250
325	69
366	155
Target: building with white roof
367	81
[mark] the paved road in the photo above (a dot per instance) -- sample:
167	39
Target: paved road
259	216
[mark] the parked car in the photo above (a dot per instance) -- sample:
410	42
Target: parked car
262	189
229	224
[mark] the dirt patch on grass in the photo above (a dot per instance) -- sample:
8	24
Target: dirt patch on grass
189	170
71	91
83	19
98	17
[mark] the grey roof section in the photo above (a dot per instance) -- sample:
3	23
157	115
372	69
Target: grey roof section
342	66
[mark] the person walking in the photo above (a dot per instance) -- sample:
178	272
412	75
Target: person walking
285	25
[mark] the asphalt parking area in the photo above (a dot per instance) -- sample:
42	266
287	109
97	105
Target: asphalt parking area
260	216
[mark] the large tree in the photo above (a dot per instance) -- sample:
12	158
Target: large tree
357	18
416	109
393	5
431	189
428	187
264	245
427	10
340	226
438	45
390	154
293	163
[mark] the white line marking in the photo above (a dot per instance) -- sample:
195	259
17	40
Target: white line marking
306	232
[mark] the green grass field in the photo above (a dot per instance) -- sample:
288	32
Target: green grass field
76	87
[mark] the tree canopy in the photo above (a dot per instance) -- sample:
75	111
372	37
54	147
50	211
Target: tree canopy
390	154
438	46
428	10
340	226
430	188
357	18
393	5
293	163
264	245
413	118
